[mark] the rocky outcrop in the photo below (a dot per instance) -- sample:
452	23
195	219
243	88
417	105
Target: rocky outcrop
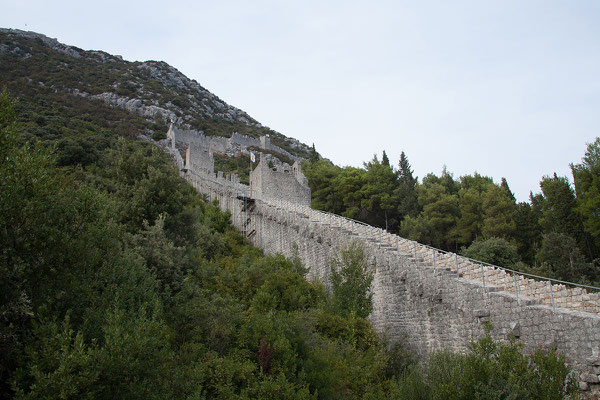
54	44
152	89
199	102
134	106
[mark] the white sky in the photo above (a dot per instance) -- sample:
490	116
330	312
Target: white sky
504	88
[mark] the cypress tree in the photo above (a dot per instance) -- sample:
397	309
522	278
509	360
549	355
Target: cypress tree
407	189
385	160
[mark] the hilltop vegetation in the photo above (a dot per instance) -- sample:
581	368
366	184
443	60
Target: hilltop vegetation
555	234
47	74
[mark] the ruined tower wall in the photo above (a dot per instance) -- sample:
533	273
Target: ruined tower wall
270	185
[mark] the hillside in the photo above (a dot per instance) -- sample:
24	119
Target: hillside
118	280
47	74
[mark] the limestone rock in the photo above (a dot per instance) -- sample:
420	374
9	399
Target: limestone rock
590	378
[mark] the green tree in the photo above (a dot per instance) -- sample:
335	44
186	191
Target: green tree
559	209
408	204
560	258
440	211
145	185
378	202
163	259
447	180
506	189
54	236
498	211
347	188
416	228
313	156
351	277
470	222
132	361
321	175
478	182
471	196
495	370
385	160
587	187
528	233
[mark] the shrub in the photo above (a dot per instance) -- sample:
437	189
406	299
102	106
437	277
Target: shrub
496	251
351	278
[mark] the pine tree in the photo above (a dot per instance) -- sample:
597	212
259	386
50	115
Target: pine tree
377	195
440	213
506	189
470	200
498	210
407	189
558	206
528	234
385	160
587	187
468	226
313	156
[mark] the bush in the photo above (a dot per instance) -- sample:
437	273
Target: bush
351	278
494	370
159	135
495	251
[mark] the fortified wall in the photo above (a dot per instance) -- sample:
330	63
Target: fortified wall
269	185
431	299
184	138
280	182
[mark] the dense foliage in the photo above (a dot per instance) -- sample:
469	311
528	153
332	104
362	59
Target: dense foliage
491	370
119	281
556	233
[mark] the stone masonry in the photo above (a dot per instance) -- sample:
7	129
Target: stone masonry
269	185
430	298
184	138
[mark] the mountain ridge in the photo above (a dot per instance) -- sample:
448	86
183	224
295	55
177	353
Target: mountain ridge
154	90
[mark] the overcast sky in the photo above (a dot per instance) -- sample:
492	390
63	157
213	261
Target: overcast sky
504	88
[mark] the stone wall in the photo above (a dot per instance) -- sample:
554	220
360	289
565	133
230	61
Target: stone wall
431	299
243	140
199	158
270	185
432	307
183	138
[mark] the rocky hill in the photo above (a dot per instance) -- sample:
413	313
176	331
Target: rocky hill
43	72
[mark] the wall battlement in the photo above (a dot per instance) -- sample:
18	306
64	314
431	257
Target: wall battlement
183	138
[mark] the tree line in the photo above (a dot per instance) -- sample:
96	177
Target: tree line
556	233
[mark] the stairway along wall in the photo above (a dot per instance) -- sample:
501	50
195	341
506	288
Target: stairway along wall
430	307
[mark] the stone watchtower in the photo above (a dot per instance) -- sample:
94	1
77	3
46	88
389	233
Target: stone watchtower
269	185
265	142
